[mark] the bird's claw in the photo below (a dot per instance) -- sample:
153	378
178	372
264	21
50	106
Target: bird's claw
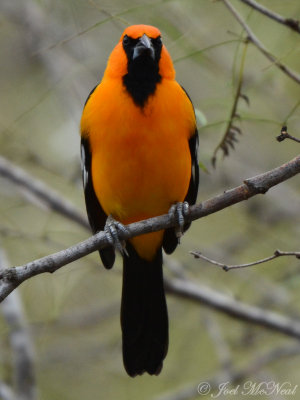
112	229
179	211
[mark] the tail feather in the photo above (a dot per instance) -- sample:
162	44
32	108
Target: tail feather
144	316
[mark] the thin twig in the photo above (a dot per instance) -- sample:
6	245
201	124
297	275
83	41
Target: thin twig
225	267
216	300
201	51
13	277
40	191
229	137
254	40
289	22
110	17
291	112
285	135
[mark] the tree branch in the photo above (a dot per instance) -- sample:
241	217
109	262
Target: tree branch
20	343
289	22
41	192
285	135
6	392
225	267
12	277
181	286
234	308
257	43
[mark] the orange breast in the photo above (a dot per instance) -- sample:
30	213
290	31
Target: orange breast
141	162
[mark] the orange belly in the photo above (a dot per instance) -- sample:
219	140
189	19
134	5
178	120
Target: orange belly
141	162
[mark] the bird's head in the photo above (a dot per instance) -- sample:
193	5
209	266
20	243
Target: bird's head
141	55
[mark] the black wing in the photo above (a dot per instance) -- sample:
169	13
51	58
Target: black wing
170	240
192	193
96	215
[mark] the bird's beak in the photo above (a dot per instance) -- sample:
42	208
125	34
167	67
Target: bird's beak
143	45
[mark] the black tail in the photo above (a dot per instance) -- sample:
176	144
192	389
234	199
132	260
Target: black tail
144	316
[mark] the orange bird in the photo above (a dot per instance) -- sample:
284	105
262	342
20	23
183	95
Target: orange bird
139	159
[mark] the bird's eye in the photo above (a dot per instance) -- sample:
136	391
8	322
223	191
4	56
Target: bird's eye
157	42
126	40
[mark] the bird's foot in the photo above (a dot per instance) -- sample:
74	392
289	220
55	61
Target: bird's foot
179	211
112	229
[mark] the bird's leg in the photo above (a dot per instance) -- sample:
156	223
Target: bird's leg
112	229
179	211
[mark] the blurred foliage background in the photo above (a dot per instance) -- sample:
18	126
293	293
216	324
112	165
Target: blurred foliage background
52	54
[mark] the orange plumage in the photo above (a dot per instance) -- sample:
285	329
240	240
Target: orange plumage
140	152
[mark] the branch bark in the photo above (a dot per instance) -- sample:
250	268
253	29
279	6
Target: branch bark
12	277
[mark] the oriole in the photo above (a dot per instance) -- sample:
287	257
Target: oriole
139	157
